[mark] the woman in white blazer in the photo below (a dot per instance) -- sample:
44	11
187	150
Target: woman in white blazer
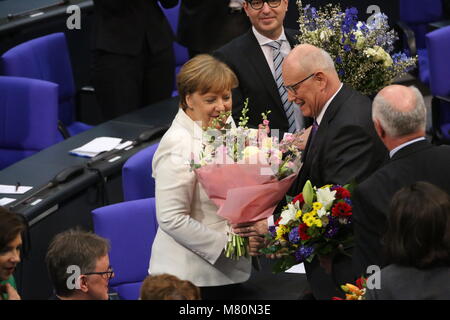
191	237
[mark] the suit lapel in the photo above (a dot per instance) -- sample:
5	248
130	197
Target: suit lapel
312	150
259	68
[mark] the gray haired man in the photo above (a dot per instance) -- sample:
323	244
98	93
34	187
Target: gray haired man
399	116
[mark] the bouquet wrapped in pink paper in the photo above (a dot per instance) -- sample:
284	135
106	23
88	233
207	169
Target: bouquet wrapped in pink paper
245	172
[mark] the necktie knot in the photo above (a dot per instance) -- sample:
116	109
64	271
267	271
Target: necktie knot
276	44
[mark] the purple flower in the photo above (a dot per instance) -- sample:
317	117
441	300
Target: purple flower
350	20
347	48
273	231
341	72
332	228
338	61
294	237
302	253
348	201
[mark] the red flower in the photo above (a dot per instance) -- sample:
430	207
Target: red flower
341	209
302	228
299	198
277	221
360	282
342	193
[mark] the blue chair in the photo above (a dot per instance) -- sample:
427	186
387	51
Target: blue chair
131	228
47	58
181	52
137	180
415	15
438	44
28	117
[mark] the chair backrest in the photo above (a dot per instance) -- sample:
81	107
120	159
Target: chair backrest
130	227
181	52
28	117
45	58
137	180
438	44
418	14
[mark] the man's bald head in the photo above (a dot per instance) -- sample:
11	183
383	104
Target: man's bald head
307	59
401	110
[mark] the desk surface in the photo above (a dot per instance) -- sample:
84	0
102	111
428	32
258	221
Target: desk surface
40	168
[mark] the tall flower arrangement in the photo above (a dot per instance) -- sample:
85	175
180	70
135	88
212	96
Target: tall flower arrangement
362	52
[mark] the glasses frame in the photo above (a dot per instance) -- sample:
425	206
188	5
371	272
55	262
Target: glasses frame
109	273
264	1
293	88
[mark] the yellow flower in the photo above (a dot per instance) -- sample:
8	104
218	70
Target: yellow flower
317	206
299	214
318	223
281	230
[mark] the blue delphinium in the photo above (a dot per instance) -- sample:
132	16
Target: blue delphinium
294	237
303	253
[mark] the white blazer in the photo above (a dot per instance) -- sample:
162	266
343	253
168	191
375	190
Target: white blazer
191	237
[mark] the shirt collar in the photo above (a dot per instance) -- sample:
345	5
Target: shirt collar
263	40
395	150
325	107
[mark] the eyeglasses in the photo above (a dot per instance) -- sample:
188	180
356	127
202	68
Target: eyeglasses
293	88
258	4
108	274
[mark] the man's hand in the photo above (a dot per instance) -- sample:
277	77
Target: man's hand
254	244
249	229
300	142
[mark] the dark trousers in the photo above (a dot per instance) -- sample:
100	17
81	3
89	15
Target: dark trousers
226	292
124	83
324	286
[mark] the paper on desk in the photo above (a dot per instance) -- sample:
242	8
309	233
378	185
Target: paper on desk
98	145
12	189
4	201
298	268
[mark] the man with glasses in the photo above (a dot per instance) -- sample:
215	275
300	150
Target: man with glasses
342	147
256	58
78	265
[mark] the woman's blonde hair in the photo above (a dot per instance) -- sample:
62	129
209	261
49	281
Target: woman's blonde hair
204	73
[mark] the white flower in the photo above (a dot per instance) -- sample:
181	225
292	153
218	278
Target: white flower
288	214
322	212
326	197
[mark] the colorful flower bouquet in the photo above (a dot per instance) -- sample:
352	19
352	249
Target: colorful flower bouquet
245	172
362	52
354	292
316	222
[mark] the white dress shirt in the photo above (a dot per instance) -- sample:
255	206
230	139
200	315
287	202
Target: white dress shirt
268	54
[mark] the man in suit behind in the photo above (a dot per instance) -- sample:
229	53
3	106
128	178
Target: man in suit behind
251	57
133	59
205	25
399	115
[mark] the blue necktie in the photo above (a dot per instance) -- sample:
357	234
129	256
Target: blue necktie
287	105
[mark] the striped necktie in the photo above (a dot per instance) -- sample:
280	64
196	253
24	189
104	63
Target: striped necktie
287	105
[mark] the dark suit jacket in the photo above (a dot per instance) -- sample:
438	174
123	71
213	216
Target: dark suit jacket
245	57
346	148
123	26
206	25
420	161
406	283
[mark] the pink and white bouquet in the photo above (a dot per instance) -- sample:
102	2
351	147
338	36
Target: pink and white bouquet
245	172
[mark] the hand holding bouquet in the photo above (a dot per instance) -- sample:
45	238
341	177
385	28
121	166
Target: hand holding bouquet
245	173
